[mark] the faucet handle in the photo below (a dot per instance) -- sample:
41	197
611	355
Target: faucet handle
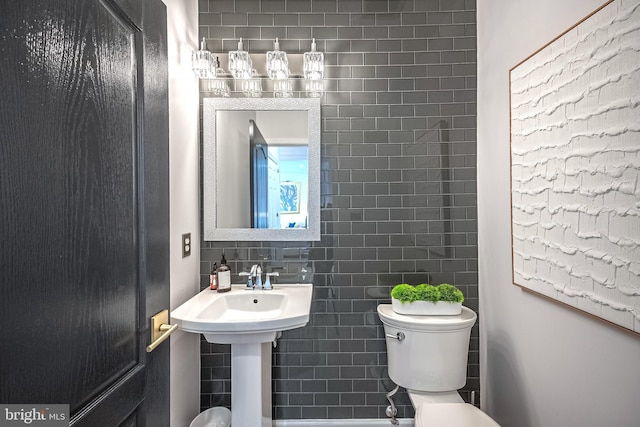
249	279
267	284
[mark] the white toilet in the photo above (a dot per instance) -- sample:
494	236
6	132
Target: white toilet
427	355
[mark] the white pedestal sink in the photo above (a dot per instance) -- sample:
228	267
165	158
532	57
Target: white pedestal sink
250	321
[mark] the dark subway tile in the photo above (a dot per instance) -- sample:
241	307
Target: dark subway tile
398	191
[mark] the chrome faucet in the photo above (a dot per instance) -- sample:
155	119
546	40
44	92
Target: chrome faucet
254	278
251	275
258	276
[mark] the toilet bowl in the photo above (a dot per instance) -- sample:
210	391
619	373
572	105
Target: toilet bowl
427	355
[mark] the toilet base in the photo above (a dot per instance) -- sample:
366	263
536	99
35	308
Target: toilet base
447	409
421	397
452	415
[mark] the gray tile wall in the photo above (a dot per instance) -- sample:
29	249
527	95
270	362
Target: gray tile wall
398	189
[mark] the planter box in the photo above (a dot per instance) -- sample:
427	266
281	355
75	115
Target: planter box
427	308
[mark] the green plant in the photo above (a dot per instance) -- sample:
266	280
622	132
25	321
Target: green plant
425	292
403	293
450	293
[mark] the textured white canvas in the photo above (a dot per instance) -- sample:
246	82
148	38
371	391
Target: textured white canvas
575	166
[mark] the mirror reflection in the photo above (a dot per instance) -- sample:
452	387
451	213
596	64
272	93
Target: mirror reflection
263	169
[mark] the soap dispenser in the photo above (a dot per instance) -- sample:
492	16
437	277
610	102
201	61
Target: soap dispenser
224	276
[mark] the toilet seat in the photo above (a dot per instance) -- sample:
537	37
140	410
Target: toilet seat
452	415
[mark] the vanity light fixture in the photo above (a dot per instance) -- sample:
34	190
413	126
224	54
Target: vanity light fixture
201	61
274	64
240	64
314	71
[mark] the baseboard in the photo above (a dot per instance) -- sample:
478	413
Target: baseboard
404	422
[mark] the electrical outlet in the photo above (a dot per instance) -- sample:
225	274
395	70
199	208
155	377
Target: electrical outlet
186	245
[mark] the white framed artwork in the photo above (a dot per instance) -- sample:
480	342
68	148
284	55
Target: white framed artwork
575	166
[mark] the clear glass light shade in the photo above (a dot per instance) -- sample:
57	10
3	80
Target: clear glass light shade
277	63
240	64
313	63
202	61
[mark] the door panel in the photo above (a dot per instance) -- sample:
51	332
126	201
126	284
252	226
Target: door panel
83	219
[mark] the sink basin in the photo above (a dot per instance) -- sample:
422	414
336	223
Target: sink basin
243	316
242	306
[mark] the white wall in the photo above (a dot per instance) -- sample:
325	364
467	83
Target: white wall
182	25
283	127
542	364
233	169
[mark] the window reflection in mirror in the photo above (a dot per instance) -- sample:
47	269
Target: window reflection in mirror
263	169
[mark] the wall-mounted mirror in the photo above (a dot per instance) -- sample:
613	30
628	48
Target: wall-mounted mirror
261	174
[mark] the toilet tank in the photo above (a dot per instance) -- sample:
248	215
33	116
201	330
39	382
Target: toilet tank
431	352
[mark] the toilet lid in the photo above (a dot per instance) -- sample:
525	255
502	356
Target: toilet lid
452	415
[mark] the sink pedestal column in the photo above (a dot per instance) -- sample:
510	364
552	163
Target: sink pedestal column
251	385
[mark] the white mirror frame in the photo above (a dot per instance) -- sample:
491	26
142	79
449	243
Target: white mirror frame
210	179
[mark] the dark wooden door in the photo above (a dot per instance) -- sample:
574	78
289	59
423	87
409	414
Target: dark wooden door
84	215
259	177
